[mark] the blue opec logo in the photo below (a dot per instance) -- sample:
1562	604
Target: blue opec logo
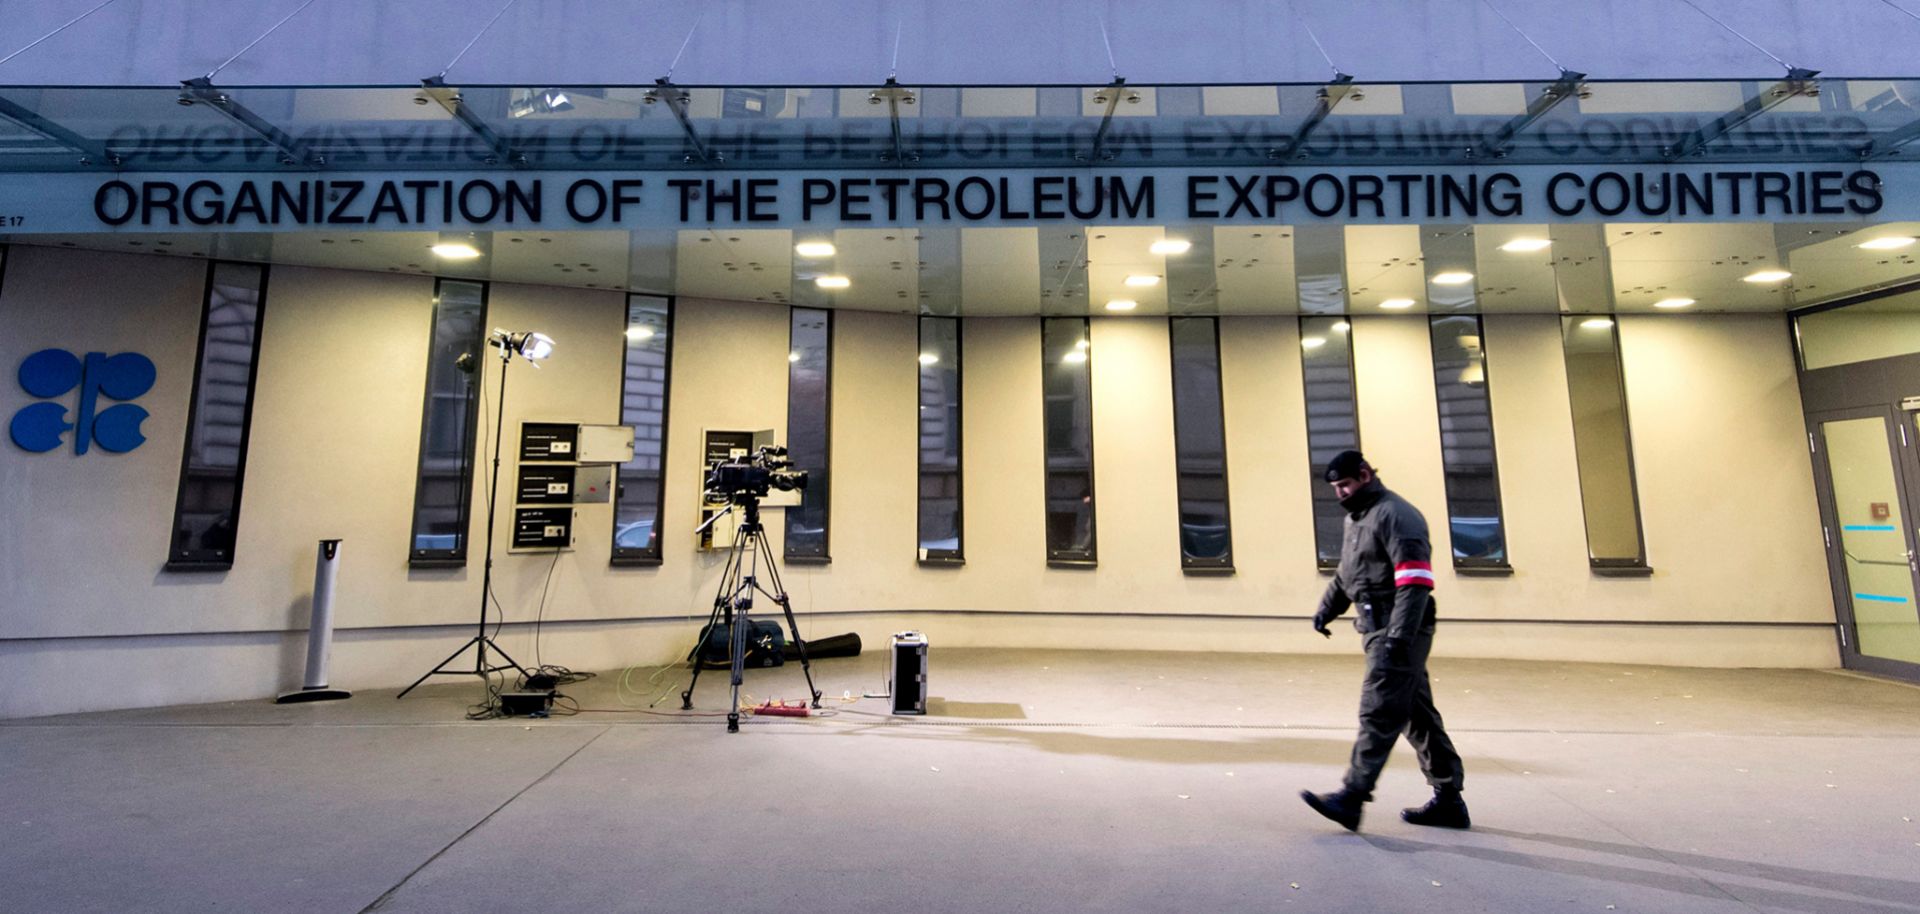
51	373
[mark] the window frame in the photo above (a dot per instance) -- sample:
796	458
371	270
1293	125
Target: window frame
1189	565
958	555
177	563
457	556
826	458
1490	567
1319	492
1637	566
654	555
1064	558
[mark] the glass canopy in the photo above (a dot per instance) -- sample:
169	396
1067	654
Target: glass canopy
201	127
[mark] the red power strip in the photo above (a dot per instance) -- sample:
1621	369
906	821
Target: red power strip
783	709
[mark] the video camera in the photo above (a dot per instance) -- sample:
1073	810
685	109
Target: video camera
752	475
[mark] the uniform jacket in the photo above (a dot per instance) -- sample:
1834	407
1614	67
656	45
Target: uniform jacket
1385	561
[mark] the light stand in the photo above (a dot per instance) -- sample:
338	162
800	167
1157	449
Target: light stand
533	347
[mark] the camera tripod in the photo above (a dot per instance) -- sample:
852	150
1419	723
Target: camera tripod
734	600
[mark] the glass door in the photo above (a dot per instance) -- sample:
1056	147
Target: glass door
1864	461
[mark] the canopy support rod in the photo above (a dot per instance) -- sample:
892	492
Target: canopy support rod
895	95
292	152
69	23
677	101
449	98
1891	141
1331	95
1567	86
90	151
1799	82
1110	96
263	36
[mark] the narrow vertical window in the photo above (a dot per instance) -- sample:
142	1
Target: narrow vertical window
1067	386
809	427
939	423
206	514
1200	445
643	406
1603	444
443	490
1466	443
1333	421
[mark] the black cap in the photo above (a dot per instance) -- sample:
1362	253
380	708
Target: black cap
1345	465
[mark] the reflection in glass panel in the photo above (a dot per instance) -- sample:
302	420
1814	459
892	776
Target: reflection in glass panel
207	515
809	387
1067	386
1333	421
940	525
1601	442
643	407
1200	444
1879	328
443	491
1466	442
1873	539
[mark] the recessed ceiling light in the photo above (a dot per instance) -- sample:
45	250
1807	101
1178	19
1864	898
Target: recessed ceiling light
1341	326
1075	357
1525	245
833	282
456	250
1143	280
793	356
1452	278
928	358
1396	304
1313	342
1889	243
1767	276
1597	323
1673	303
1081	345
1171	246
639	333
814	249
1122	304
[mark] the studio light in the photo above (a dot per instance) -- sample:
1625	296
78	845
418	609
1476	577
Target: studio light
528	345
928	358
639	333
833	282
1396	304
1597	323
1341	326
1313	342
1140	279
1122	304
1075	357
1525	245
1889	243
455	250
1673	303
1452	278
814	249
1767	276
1171	246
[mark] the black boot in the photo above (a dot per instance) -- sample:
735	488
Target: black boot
1342	806
1445	810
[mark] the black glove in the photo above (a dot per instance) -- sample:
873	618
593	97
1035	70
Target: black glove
1320	625
1399	652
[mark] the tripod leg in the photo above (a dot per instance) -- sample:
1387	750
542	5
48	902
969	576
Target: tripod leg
779	595
737	648
423	677
511	664
721	598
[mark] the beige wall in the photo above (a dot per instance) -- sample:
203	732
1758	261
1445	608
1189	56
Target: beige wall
1725	486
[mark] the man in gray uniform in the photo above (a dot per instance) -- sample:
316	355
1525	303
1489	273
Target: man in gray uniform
1386	572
